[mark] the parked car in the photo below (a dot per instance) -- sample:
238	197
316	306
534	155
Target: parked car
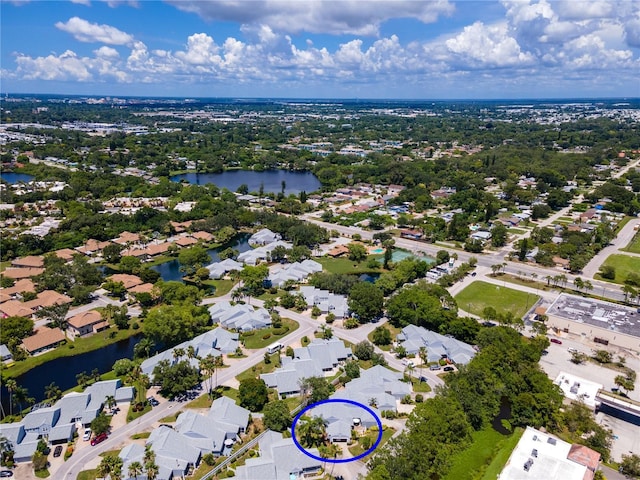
423	379
572	350
545	352
153	402
448	369
434	367
98	439
555	340
6	473
87	435
58	451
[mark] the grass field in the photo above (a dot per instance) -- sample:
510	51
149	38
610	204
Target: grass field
624	265
256	341
344	265
386	435
479	295
259	368
485	457
634	244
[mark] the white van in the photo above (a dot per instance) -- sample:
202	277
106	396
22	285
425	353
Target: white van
275	347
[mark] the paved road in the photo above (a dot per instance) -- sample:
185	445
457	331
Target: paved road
621	241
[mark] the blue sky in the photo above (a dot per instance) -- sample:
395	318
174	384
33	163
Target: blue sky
416	49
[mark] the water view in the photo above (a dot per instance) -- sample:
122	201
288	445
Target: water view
170	271
12	177
271	180
62	371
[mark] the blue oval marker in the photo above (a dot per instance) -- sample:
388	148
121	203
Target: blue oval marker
342	460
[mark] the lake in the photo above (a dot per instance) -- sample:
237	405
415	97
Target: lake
63	370
295	182
170	271
11	177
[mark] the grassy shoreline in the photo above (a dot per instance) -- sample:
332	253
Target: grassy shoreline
70	349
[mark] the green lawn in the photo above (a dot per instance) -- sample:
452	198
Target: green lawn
357	449
420	387
624	265
255	340
634	244
222	287
479	295
80	345
259	368
344	265
488	453
516	231
87	475
394	333
131	415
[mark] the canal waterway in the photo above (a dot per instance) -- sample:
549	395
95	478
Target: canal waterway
170	271
271	180
62	371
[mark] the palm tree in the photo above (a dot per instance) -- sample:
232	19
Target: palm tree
143	348
135	469
177	353
110	401
628	290
191	353
151	470
11	387
52	392
208	367
313	432
588	286
423	358
6	448
111	465
548	278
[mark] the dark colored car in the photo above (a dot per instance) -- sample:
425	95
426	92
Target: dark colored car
448	369
423	379
6	473
58	451
545	352
555	340
98	439
153	402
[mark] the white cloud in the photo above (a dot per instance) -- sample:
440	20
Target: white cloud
67	66
107	53
317	16
488	45
82	2
84	31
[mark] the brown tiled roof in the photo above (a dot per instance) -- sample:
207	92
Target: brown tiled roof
143	288
206	236
85	318
48	298
127	237
17	273
43	337
23	285
584	456
128	280
33	261
186	241
540	311
65	253
92	245
153	250
338	250
14	308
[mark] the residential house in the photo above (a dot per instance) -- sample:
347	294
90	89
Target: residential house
239	317
65	253
44	339
411	234
48	298
295	272
279	459
319	358
252	257
14	308
264	237
19	287
92	247
32	261
220	269
127	238
129	281
481	235
5	354
86	323
326	301
412	338
23	272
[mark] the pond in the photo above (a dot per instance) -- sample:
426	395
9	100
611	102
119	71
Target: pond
271	180
398	255
12	177
62	371
170	271
369	277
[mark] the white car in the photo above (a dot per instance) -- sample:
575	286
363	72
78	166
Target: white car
87	435
572	350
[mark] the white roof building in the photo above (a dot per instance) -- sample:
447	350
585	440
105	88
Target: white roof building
578	388
241	317
438	346
326	301
296	272
540	456
264	237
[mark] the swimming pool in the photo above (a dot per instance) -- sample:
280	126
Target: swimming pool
376	251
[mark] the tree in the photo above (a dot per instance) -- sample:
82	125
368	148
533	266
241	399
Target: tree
499	235
254	277
135	469
315	389
143	348
111	253
352	369
172	324
115	289
39	461
130	264
363	350
111	466
277	416
191	259
15	328
381	336
253	394
52	392
357	252
101	424
57	315
366	301
175	380
312	432
630	465
608	272
11	386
